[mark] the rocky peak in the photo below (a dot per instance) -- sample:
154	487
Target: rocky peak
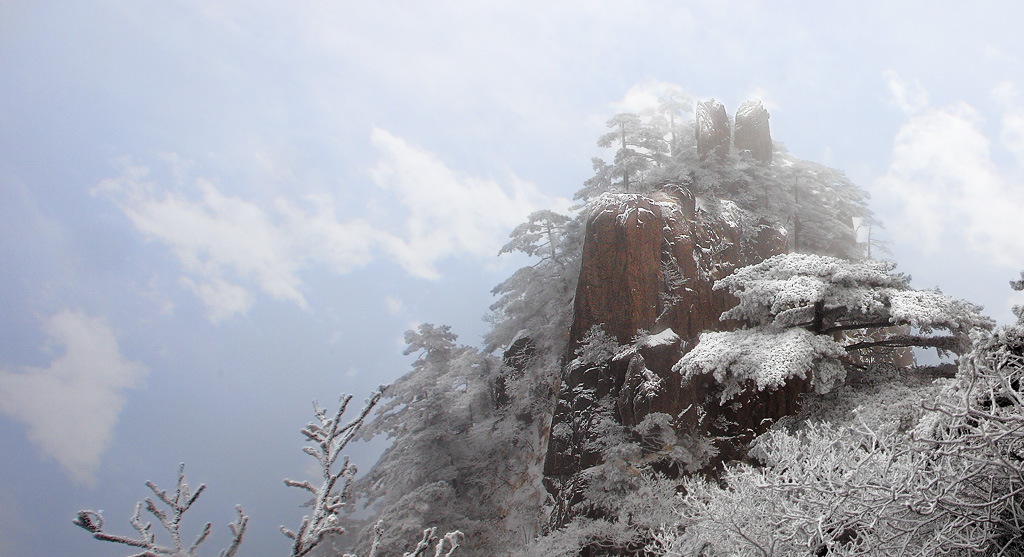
648	266
714	133
752	131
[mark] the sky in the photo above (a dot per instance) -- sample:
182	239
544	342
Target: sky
212	213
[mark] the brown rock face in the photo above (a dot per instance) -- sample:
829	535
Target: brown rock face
714	132
619	279
752	131
649	264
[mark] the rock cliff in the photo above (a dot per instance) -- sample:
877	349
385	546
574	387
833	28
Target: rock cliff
648	266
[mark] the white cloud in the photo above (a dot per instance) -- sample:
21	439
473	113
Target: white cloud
998	55
72	405
493	58
449	212
761	94
646	96
1012	132
393	305
221	298
910	97
228	246
948	190
210	236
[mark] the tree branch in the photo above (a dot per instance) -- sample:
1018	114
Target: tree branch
942	343
854	326
183	499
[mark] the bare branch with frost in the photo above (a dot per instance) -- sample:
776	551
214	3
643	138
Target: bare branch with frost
182	501
329	437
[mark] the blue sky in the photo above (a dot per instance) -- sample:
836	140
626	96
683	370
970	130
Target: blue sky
213	212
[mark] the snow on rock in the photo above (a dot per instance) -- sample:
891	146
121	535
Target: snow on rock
643	340
664	338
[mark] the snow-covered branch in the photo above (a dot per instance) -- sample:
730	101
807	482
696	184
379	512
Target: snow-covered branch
182	501
764	357
943	343
329	437
431	540
827	294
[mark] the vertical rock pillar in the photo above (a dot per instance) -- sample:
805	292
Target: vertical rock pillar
714	133
752	131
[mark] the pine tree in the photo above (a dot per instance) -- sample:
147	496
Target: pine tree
797	308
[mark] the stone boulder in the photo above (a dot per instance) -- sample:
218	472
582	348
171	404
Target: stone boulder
752	131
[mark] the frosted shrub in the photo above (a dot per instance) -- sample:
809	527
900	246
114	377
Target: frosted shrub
596	348
953	485
827	490
975	433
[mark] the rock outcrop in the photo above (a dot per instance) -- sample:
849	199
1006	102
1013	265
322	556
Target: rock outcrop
515	359
648	266
752	131
714	133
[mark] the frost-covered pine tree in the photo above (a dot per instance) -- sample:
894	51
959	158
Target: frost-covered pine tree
818	205
798	309
448	460
537	298
468	430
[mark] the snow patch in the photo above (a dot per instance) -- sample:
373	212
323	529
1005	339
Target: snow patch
643	340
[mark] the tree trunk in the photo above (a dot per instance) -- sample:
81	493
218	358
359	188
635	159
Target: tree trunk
819	318
796	216
625	168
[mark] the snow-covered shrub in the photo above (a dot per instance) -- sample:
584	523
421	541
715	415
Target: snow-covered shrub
643	503
615	506
951	484
596	348
975	432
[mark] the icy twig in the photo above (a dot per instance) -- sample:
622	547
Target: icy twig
329	437
182	501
